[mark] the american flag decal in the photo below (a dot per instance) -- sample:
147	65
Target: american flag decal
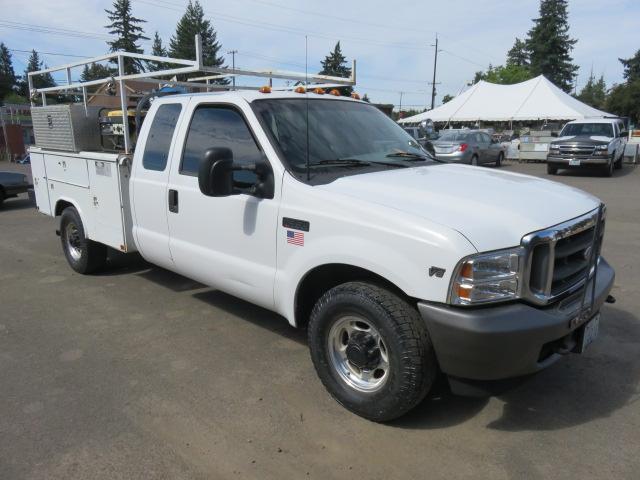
295	238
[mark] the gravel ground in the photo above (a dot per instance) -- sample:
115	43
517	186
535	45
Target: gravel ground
141	373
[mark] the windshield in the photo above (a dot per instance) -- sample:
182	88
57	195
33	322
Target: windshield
341	133
587	129
453	137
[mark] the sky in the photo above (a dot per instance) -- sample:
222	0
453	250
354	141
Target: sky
391	40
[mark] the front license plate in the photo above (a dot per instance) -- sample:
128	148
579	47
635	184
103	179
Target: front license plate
589	332
574	163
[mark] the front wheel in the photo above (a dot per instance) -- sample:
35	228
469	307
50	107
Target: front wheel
607	170
474	160
499	159
83	255
371	350
552	169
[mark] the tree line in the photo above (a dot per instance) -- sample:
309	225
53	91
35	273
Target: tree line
546	50
127	32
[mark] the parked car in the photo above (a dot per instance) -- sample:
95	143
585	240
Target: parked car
401	268
589	143
473	147
419	134
12	184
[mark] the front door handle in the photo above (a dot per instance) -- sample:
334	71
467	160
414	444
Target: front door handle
173	201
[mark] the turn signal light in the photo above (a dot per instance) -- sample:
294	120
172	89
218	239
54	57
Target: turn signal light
319	91
335	92
463	291
300	90
463	147
467	271
265	89
355	96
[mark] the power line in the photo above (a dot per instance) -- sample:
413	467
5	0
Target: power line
51	53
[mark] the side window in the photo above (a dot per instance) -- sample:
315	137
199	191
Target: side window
156	150
216	126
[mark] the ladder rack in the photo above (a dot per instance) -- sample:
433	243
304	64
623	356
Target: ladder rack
196	68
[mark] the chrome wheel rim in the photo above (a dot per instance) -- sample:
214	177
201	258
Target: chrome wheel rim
347	338
74	241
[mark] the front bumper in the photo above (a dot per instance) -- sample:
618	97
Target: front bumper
510	340
584	162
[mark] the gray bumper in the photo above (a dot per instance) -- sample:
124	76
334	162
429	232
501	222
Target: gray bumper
584	162
510	340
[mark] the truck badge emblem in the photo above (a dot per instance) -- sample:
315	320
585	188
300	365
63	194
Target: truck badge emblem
437	271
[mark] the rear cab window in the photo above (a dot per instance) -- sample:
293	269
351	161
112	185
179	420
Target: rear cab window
156	149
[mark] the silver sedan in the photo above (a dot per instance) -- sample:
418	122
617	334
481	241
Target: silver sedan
473	147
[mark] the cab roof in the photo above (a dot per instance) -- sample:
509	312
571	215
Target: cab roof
597	120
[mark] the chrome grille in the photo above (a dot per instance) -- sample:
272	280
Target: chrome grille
577	150
558	259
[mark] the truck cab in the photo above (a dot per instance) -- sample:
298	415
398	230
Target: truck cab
589	144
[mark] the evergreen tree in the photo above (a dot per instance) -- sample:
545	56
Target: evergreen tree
335	65
549	44
128	33
594	92
7	74
39	81
182	43
158	50
631	67
95	72
518	54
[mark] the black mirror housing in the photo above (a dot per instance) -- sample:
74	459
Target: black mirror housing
215	175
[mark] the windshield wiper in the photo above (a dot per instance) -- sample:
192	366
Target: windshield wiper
354	162
408	155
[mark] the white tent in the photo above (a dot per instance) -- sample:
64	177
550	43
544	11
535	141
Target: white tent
535	99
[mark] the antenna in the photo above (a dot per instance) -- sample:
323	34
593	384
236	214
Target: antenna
306	96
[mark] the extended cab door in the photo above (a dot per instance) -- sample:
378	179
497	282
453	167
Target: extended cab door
225	242
150	175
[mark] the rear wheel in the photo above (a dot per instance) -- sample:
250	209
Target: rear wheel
371	350
552	169
500	159
2	196
83	255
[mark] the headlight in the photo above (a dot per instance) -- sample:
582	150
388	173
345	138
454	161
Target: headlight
487	277
602	147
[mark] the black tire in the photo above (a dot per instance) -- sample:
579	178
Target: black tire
86	256
500	159
2	196
412	365
607	170
618	164
552	169
474	160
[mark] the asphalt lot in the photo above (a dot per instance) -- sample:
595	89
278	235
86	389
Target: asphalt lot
141	373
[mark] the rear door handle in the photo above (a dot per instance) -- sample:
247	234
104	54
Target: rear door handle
173	201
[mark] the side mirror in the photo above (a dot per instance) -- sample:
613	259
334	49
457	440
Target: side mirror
215	175
554	134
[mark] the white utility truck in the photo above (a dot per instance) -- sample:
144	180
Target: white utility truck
322	209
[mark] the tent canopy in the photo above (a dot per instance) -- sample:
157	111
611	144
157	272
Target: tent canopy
535	99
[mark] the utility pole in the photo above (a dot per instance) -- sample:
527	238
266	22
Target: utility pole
435	66
233	66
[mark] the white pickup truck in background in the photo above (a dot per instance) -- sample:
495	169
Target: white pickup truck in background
324	210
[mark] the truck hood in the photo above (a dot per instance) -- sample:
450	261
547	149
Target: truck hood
582	140
492	209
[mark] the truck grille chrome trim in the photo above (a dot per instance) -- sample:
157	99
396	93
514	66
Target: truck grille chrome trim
558	259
